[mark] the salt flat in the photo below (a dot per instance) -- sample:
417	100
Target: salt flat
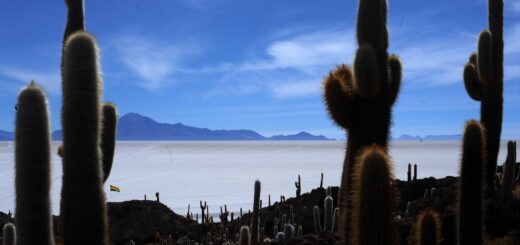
223	172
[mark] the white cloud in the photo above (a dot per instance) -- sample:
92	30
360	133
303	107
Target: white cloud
154	62
295	89
50	81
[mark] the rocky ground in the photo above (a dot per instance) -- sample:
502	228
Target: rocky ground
150	221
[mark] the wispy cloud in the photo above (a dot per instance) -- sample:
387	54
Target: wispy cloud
289	90
50	81
153	61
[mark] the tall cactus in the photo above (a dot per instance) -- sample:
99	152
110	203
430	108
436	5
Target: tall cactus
83	211
108	138
470	202
428	228
33	168
361	102
9	234
484	82
317	220
374	199
256	213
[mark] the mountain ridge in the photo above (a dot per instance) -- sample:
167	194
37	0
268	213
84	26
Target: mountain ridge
133	126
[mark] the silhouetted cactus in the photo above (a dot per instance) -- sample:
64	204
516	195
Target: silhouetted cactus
409	172
254	220
75	18
203	207
509	171
244	235
483	79
415	172
470	202
9	234
298	186
108	138
328	214
374	199
317	220
33	168
428	228
335	225
288	232
83	212
361	102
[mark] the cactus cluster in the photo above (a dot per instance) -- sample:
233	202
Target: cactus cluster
87	151
360	101
484	82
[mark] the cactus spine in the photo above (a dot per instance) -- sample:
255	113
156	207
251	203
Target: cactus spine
361	103
9	234
374	199
470	202
328	214
483	79
244	235
255	218
428	228
33	168
509	171
83	212
108	138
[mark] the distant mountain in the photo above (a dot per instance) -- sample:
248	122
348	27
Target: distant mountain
447	137
6	136
457	137
299	136
133	126
409	137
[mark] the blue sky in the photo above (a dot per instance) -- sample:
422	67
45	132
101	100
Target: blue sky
231	64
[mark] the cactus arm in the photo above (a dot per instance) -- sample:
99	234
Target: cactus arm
394	76
472	82
338	95
75	18
108	138
484	57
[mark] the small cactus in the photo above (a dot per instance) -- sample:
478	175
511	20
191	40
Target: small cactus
328	214
254	220
470	199
244	236
317	221
506	191
33	168
298	186
288	232
374	199
9	234
409	172
428	228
